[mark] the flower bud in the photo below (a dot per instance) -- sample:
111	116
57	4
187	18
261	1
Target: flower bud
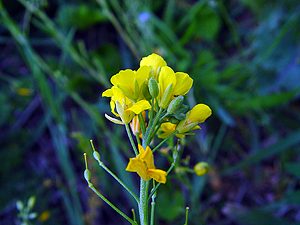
164	102
175	104
153	87
145	91
201	168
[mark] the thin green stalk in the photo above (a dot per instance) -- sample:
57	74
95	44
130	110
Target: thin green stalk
166	139
152	206
142	123
155	188
119	181
151	127
138	139
131	139
186	215
87	176
91	186
152	213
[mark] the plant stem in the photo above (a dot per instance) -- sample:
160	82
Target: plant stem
143	205
131	139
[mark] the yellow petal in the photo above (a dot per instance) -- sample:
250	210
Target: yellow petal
136	165
107	93
141	149
147	157
166	77
139	106
158	175
183	83
154	61
142	74
199	113
124	78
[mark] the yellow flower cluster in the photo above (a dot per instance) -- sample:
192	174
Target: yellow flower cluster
130	92
155	85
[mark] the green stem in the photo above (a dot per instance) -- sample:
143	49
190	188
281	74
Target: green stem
151	127
155	188
161	143
91	186
131	139
142	124
143	205
119	181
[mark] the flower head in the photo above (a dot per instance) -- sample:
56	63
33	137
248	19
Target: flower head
198	114
143	164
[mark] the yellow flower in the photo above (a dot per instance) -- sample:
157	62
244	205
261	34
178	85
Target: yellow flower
155	62
172	84
130	81
143	164
166	129
197	115
201	168
124	107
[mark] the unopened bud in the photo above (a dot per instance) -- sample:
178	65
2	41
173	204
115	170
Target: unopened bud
145	91
201	168
175	104
153	87
164	102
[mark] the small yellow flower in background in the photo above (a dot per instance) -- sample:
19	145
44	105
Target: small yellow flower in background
24	91
197	115
201	168
143	164
44	216
124	107
156	62
130	81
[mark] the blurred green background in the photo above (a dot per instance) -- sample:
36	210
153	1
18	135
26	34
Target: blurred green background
56	58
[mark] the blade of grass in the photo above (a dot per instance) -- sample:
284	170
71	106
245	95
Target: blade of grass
281	145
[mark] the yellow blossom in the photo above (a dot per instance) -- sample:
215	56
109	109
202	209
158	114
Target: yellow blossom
130	81
201	168
155	61
168	128
172	84
124	107
197	115
143	164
